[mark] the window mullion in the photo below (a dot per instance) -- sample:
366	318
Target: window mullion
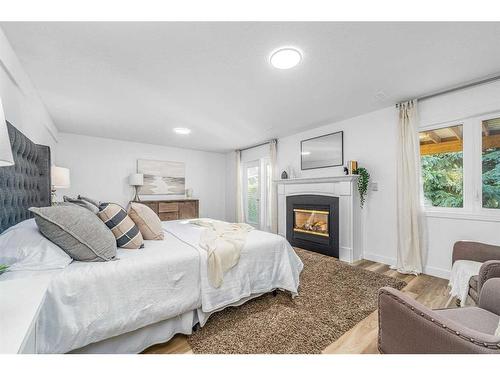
472	172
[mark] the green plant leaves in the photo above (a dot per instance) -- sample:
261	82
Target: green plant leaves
363	180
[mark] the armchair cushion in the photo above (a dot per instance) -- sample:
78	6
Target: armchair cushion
474	295
472	317
489	298
473	282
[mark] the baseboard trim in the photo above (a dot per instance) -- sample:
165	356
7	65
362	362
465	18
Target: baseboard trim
379	258
428	270
437	272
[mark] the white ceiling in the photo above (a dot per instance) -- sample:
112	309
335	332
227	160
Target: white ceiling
137	81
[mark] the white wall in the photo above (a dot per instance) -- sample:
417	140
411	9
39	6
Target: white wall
100	167
371	139
443	232
22	105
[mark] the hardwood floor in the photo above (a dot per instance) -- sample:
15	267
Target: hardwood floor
362	338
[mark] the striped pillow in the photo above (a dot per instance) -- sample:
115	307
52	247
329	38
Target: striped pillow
126	232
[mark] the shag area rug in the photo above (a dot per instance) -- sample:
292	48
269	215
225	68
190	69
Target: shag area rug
333	297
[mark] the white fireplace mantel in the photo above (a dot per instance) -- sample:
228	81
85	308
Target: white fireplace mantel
343	187
317	179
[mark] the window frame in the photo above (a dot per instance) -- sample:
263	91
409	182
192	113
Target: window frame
472	172
487	211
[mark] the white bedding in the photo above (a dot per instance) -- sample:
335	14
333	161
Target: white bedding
91	302
267	262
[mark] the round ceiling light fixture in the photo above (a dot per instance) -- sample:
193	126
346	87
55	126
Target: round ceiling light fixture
285	58
182	131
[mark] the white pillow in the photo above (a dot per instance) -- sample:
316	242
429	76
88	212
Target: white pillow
24	248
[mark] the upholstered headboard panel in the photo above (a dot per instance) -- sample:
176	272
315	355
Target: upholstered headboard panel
26	183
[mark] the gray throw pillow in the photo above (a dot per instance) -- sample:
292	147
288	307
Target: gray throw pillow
76	230
82	203
90	200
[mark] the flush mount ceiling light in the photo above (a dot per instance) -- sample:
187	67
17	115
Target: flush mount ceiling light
182	131
285	58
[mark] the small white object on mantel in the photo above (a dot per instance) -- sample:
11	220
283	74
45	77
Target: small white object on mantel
20	303
345	188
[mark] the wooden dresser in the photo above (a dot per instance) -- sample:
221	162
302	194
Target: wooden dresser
174	209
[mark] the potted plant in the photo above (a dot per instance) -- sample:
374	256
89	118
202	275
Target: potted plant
363	180
3	268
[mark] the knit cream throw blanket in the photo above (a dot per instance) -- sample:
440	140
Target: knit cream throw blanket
223	243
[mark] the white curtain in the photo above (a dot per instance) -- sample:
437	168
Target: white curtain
273	203
240	215
409	206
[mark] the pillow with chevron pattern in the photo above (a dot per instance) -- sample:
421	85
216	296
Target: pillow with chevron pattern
127	234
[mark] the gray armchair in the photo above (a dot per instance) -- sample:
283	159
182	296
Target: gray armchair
408	327
479	252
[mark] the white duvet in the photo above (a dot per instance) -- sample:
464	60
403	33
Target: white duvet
267	262
90	302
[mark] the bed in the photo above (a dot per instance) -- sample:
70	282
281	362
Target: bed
148	295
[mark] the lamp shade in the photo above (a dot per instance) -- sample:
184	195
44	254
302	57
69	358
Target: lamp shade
136	179
6	158
60	177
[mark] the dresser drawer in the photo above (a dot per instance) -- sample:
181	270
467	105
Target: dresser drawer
166	216
168	207
188	210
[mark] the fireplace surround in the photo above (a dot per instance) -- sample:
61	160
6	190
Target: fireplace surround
344	189
313	223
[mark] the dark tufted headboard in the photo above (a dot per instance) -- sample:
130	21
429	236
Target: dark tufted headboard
26	183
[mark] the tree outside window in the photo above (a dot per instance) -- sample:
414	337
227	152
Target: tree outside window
441	153
491	163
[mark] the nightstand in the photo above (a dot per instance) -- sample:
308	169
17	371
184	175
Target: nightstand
20	303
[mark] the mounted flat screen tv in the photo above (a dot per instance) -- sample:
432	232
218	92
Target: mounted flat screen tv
323	151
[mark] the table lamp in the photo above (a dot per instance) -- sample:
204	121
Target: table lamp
59	177
136	180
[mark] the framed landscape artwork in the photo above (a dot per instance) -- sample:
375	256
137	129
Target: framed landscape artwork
162	177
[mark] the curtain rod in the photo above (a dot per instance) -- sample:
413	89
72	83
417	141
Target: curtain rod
260	144
458	88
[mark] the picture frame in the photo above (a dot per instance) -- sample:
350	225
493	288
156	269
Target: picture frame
162	177
323	151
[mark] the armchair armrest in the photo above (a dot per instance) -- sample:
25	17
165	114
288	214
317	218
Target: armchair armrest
489	299
476	251
408	327
489	270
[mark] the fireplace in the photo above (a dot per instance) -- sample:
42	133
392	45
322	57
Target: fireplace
313	223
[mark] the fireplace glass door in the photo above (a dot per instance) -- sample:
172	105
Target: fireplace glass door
313	222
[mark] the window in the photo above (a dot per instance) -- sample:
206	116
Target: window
252	177
491	163
441	152
257	189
